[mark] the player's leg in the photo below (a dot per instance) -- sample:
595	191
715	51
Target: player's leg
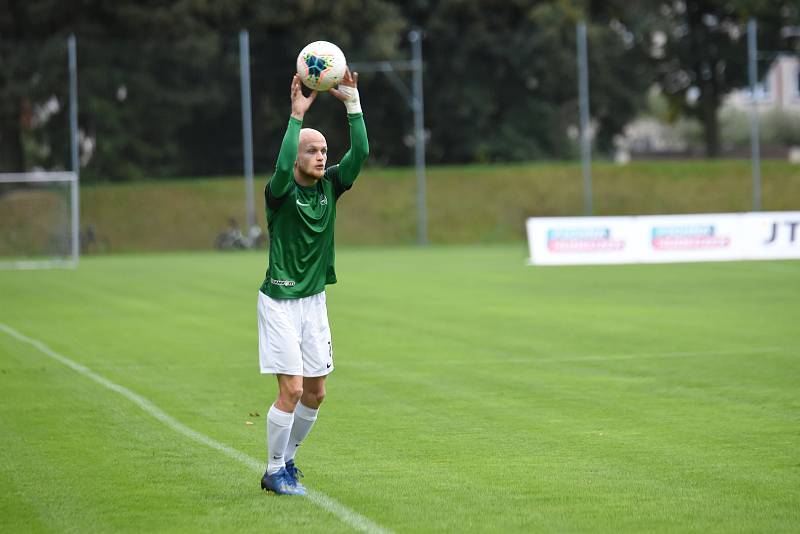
313	391
280	420
305	414
279	354
279	427
317	352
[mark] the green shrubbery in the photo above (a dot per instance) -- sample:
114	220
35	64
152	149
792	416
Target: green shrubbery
777	128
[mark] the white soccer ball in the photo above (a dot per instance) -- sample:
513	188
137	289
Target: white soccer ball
321	65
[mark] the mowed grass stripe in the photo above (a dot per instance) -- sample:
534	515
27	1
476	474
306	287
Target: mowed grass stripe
633	441
350	517
74	459
466	396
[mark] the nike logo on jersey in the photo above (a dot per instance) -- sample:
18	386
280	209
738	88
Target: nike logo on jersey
301	204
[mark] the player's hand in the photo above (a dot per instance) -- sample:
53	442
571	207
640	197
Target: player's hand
347	91
350	79
300	102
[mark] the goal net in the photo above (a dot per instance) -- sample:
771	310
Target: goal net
39	220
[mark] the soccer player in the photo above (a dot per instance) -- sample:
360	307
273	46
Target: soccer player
294	338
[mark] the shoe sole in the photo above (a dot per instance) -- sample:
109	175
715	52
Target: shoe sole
268	489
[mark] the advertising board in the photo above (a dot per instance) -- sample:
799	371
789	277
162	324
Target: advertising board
664	238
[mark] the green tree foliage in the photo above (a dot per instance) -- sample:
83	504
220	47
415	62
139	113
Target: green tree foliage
32	88
159	80
501	78
142	76
366	31
698	48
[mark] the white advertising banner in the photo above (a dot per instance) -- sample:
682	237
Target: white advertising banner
576	240
772	235
674	238
664	238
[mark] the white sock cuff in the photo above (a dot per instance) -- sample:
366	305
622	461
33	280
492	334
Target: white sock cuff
279	417
304	412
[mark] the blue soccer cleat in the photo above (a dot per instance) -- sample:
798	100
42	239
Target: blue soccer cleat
294	473
281	483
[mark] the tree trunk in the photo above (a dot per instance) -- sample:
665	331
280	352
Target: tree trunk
709	115
12	158
704	70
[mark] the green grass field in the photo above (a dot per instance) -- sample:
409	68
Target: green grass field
472	394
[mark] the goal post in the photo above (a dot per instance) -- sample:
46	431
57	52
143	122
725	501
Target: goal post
39	220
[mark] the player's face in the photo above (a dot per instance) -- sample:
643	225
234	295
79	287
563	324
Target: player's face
311	158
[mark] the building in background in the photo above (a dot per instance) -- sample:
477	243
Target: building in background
778	90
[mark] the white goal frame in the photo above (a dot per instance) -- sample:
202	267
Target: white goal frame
72	179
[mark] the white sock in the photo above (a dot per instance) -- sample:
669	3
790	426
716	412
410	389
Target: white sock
279	426
304	418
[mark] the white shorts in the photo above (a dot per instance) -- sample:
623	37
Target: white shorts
294	337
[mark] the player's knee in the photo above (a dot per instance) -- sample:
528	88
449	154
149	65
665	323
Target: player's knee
313	398
318	396
292	394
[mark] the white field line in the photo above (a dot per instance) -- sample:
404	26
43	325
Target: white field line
345	514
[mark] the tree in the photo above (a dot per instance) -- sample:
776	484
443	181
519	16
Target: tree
501	80
131	114
366	31
29	70
159	81
699	48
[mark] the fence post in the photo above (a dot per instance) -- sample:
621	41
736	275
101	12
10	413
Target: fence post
76	164
247	126
583	103
755	146
415	36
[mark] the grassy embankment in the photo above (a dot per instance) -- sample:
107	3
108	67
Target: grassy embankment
467	204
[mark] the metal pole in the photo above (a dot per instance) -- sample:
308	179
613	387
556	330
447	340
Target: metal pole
755	146
73	124
247	126
583	103
415	36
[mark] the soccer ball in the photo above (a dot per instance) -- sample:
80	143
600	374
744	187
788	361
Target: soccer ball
321	65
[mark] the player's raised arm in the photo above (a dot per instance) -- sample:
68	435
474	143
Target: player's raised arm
351	163
281	181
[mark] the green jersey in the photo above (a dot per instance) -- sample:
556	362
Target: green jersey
301	219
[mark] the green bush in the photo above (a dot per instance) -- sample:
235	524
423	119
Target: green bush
777	128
